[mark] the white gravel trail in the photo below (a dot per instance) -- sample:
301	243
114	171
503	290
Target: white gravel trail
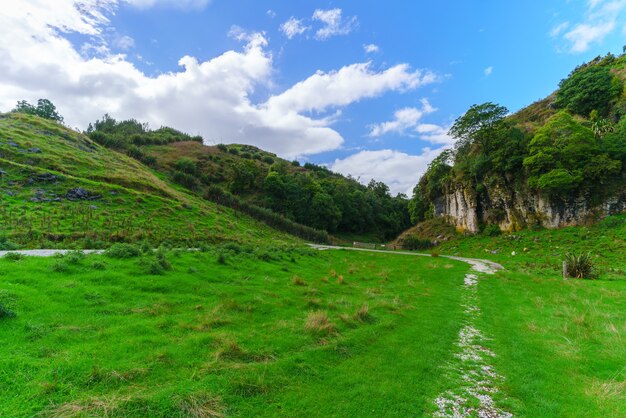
47	253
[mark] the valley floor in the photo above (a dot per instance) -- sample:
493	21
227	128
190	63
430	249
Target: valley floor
235	331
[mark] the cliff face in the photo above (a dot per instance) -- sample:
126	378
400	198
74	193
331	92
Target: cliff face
512	209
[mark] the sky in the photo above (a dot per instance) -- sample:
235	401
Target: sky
364	87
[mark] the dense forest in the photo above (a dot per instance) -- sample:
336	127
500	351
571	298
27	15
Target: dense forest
569	146
310	194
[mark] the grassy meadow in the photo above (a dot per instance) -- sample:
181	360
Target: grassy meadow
227	331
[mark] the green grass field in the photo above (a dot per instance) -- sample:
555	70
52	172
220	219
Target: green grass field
273	332
243	331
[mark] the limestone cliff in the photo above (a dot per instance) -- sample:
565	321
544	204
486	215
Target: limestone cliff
515	208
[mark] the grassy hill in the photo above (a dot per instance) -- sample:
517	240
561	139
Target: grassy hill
58	188
561	161
310	195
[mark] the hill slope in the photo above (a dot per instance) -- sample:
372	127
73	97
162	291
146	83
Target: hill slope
58	187
310	195
560	161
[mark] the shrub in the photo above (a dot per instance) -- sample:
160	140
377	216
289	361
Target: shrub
74	257
222	147
123	251
492	230
14	256
5	312
98	265
580	266
267	159
59	266
413	242
6	245
221	259
318	323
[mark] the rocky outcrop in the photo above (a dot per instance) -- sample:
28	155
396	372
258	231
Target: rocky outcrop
512	208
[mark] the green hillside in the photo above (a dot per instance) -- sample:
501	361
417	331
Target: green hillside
560	161
58	188
310	195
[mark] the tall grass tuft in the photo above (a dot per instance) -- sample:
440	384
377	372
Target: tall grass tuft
580	266
318	323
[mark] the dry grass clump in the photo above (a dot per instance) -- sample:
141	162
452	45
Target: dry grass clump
317	322
298	281
363	314
200	406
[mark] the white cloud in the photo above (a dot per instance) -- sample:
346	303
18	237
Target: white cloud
124	42
558	29
488	71
583	35
211	98
600	20
349	84
371	48
435	134
400	171
334	23
180	4
404	119
293	27
271	13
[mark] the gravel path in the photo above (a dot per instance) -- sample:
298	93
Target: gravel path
47	253
483	266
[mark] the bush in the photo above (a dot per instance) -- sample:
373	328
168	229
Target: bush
413	242
5	312
6	245
98	265
580	266
492	230
221	259
14	256
123	251
59	266
74	257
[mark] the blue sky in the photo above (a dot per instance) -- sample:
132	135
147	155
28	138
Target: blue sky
365	87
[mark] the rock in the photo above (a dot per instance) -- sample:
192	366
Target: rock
12	144
81	194
34	150
43	178
2	172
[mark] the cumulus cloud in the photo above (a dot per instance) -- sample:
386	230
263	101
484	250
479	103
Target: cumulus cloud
371	48
400	171
211	98
333	23
435	134
293	27
349	84
600	20
404	119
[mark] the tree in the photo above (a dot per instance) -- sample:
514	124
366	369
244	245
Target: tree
565	155
477	124
44	109
589	88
